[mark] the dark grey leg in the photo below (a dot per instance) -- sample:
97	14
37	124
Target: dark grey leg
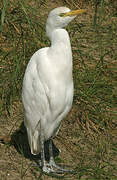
45	166
42	151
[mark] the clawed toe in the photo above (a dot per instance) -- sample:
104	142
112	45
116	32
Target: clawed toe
49	170
62	169
56	169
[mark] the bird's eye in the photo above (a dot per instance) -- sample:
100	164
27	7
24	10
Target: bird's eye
62	14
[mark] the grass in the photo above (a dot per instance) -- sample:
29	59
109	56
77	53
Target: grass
91	136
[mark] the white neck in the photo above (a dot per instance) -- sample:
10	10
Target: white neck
57	35
60	51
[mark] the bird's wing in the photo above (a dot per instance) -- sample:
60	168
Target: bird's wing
33	93
35	102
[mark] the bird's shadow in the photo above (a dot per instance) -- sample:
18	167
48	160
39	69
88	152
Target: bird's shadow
19	140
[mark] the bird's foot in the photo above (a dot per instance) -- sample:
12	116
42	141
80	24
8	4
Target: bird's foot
55	169
51	167
47	168
59	169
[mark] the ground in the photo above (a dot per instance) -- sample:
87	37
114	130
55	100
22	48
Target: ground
87	139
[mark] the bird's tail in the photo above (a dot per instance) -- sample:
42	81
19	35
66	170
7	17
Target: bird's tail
34	141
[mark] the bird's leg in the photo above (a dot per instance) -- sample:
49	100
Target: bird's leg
52	162
43	161
45	166
42	152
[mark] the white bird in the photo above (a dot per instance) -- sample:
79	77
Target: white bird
47	92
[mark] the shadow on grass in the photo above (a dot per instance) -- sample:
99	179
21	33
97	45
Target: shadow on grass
19	140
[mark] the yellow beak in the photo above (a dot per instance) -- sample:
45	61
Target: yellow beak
74	12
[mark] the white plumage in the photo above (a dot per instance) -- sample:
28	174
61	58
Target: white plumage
47	92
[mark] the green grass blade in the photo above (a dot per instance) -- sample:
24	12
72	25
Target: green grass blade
95	15
3	14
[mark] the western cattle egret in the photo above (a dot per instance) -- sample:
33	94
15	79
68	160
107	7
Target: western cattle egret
47	92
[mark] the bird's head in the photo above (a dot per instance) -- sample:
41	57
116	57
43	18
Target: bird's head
61	17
